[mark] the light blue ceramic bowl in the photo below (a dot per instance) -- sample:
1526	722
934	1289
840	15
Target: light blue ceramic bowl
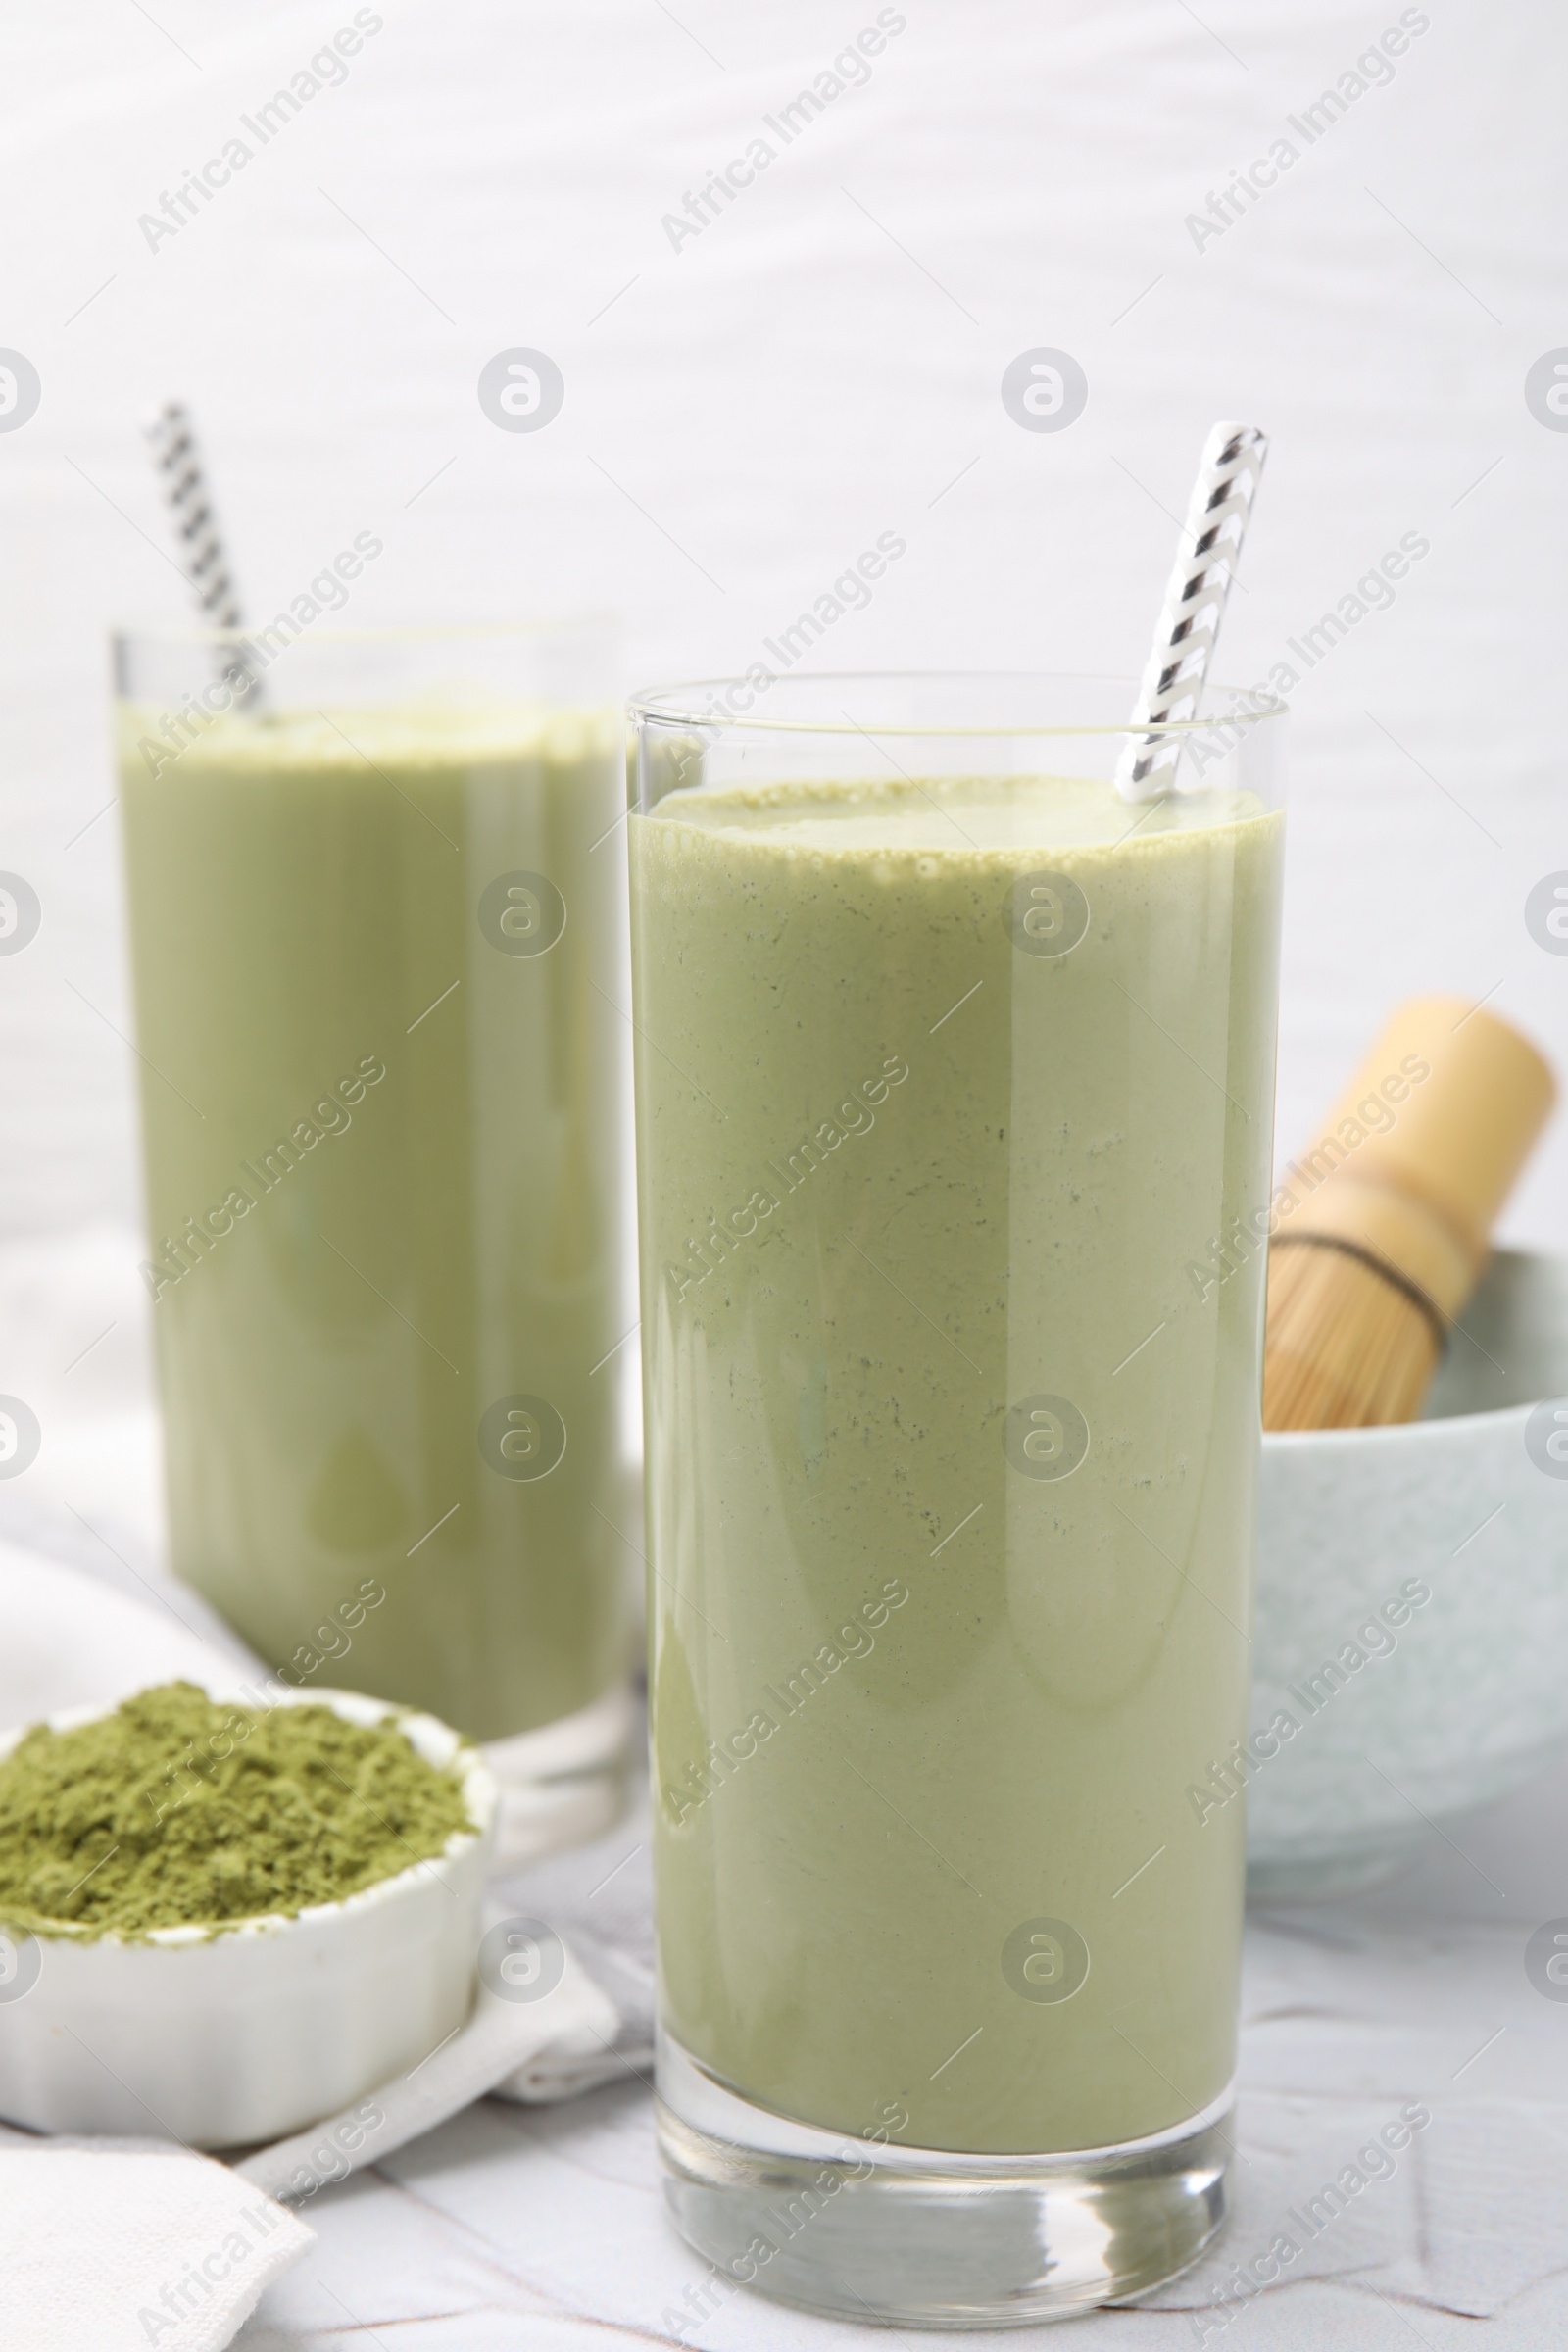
1410	1710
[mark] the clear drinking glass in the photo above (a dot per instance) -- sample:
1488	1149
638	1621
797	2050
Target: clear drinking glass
376	909
954	1083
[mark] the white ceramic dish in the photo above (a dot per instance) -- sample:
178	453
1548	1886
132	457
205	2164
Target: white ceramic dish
223	2037
1469	1695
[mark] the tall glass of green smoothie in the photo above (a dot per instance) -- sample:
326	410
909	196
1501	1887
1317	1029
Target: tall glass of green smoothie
375	888
953	1075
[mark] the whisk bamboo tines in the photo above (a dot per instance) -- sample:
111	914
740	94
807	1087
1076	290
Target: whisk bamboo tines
1347	1347
1383	1223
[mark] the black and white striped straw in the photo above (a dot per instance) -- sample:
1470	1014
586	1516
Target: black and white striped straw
198	540
1217	513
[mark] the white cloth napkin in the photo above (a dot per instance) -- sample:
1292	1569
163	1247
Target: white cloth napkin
517	2050
69	1640
113	2248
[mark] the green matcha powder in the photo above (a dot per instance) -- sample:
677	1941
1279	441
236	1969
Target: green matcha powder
176	1811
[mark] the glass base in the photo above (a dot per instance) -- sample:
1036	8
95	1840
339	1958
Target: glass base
922	2237
564	1784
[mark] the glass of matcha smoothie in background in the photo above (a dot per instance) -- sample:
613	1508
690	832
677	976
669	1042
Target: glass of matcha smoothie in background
377	911
954	1072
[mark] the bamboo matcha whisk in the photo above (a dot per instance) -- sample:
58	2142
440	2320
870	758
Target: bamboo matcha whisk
1382	1226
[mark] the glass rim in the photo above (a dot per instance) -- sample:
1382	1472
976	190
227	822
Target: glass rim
396	633
676	706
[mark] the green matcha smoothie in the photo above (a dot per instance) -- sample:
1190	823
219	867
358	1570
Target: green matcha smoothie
943	1084
374	956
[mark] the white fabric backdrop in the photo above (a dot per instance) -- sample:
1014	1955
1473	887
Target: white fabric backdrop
820	365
